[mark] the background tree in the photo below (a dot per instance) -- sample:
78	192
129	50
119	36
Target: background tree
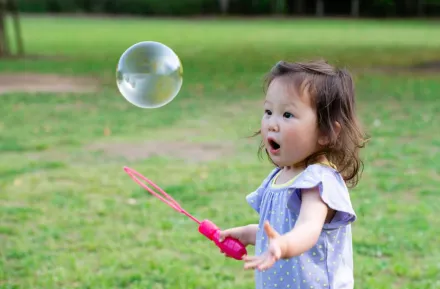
10	7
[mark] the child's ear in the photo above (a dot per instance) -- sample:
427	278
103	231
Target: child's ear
325	139
337	128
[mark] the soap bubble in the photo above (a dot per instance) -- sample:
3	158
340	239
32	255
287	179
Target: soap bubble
149	74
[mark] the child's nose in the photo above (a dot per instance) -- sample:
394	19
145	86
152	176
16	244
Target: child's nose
273	126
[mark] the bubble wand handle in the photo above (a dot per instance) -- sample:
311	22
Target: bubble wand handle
230	246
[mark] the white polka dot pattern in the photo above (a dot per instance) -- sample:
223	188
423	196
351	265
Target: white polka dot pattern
329	263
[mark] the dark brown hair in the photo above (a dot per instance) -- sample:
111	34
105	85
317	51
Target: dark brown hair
332	91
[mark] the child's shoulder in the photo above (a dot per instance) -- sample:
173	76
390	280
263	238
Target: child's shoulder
325	178
254	198
318	174
332	189
312	176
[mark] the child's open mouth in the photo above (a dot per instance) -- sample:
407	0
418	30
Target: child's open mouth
274	147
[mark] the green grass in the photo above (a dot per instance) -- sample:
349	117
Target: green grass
71	218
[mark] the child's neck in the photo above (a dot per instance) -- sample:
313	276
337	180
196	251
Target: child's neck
290	172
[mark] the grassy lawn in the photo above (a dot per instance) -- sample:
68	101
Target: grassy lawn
71	218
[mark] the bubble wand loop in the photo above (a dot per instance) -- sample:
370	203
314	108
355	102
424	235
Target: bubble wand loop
171	202
230	246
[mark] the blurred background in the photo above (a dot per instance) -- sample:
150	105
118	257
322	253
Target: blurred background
71	218
353	8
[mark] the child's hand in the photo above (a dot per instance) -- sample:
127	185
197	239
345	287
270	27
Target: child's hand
245	234
238	233
272	255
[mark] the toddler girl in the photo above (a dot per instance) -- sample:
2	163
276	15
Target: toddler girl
311	134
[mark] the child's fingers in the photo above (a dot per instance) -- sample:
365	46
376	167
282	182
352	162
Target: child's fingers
227	233
249	258
267	263
224	234
253	262
271	233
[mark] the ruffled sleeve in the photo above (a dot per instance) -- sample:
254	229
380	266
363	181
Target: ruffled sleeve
254	198
333	192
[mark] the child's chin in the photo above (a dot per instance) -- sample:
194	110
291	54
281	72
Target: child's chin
276	160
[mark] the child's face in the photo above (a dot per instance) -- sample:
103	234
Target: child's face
289	125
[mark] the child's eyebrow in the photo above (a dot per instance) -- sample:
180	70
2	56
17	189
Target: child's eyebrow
292	104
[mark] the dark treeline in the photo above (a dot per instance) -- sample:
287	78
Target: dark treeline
353	8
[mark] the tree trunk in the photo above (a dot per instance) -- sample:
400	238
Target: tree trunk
17	27
4	45
355	8
224	6
280	6
320	8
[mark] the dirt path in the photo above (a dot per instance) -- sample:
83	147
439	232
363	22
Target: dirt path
31	82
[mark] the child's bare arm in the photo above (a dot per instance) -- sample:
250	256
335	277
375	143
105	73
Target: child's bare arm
245	234
301	238
308	227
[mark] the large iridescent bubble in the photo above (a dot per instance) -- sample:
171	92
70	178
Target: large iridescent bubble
149	74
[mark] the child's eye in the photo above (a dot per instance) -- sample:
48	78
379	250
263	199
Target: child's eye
288	115
268	112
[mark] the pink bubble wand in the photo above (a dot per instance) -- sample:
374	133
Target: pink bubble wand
230	246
